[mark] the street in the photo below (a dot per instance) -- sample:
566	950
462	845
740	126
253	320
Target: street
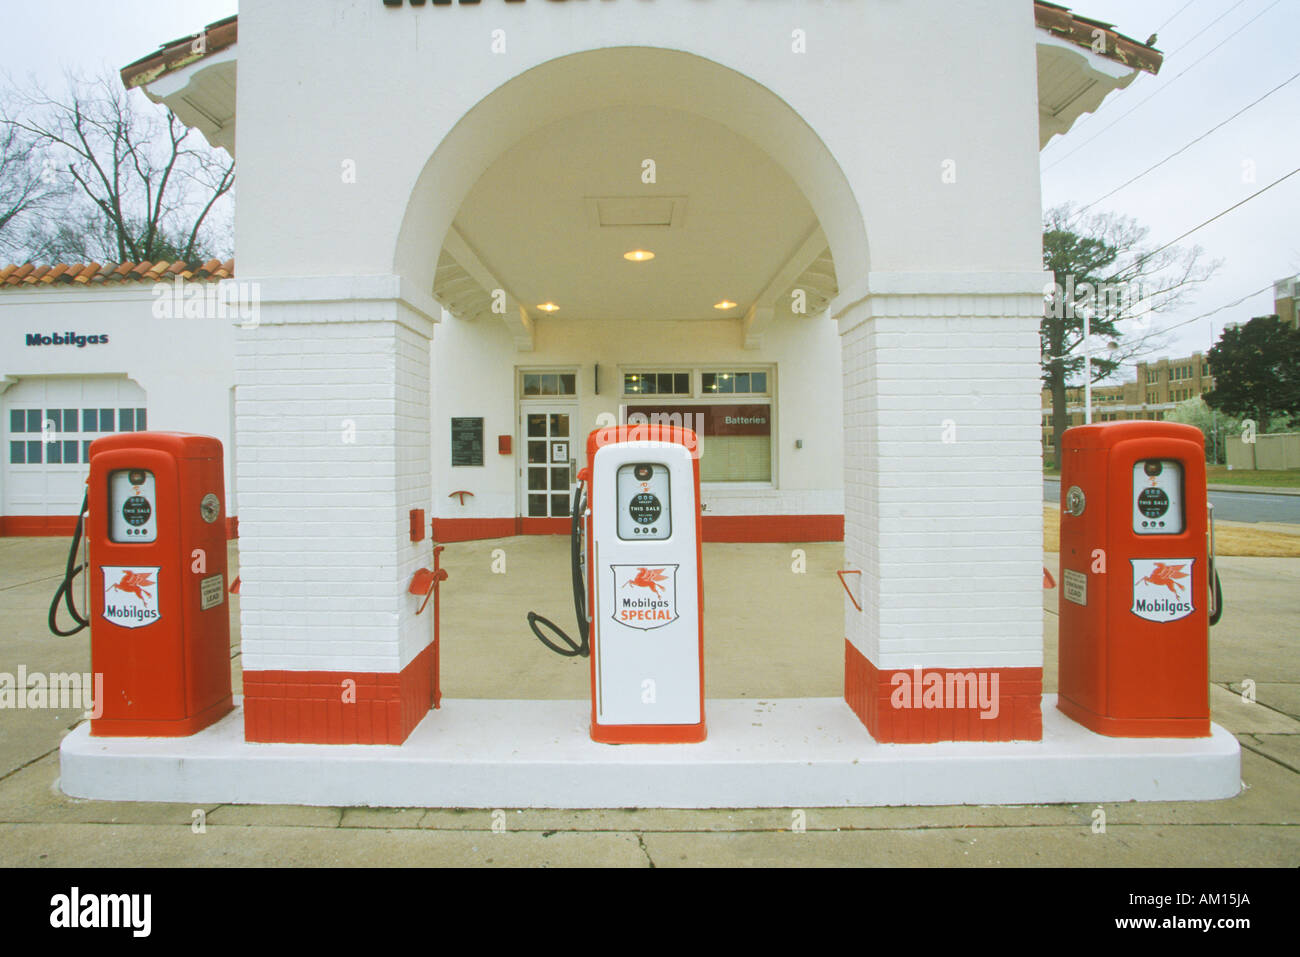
1243	506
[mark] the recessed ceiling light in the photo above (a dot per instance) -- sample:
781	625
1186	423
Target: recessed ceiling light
725	304
639	255
547	307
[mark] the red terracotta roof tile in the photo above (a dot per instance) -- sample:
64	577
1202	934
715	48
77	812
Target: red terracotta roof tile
178	54
1079	30
112	273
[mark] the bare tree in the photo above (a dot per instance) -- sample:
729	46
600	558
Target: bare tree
142	186
30	191
1105	270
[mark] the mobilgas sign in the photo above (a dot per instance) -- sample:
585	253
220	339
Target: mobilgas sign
66	339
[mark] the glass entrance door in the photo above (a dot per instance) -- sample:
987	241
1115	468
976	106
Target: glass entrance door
550	459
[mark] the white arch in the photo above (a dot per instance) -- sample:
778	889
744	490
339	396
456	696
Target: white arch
610	76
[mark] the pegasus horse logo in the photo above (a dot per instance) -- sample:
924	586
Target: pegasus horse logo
135	583
1168	576
651	578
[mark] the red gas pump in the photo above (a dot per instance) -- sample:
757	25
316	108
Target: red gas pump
159	624
1135	580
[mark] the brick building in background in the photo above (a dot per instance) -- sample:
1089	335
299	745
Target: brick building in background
1153	394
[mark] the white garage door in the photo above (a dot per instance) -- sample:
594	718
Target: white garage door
50	423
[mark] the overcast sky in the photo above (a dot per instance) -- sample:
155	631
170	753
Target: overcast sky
1258	243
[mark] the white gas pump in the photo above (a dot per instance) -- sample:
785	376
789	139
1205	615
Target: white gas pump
641	612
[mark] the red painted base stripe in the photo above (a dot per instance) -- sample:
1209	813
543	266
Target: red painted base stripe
37	525
321	707
896	711
472	529
773	528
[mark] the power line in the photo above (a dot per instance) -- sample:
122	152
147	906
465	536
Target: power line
1189	145
1175	16
1160	90
1193	37
1204	315
1220	215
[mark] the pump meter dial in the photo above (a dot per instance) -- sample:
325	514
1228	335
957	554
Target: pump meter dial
1075	501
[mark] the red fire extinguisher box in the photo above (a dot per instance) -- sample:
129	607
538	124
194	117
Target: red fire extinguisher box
1134	626
160	626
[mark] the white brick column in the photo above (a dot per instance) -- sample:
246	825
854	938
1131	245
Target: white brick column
943	501
332	431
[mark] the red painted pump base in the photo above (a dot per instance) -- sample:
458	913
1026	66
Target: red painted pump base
648	733
1134	727
157	728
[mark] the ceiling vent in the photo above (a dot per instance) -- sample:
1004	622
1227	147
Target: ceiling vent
665	212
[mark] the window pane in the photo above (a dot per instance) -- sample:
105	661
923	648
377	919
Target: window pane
139	420
537	452
17	453
559	478
17	420
85	450
126	420
537	506
559	425
532	384
70	453
736	458
33	420
682	383
649	384
758	381
550	383
33	453
537	425
631	383
709	382
55	418
537	480
559	505
90	420
742	381
106	420
54	453
665	383
568	384
726	383
69	420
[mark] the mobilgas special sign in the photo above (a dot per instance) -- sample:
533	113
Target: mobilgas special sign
645	597
131	595
1162	588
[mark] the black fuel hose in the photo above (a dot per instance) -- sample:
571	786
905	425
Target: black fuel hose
570	648
72	570
1217	613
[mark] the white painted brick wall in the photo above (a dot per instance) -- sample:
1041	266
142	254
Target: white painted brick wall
948	534
325	550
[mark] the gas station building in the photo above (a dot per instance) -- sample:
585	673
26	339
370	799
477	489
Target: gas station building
477	231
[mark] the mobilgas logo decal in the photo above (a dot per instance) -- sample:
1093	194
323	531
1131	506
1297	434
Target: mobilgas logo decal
1162	588
131	595
66	339
645	597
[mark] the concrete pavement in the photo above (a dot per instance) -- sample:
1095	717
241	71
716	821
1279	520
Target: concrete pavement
771	630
